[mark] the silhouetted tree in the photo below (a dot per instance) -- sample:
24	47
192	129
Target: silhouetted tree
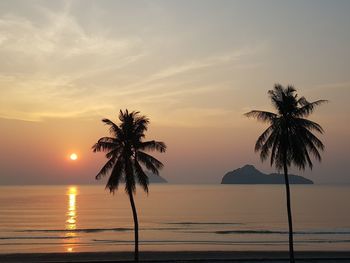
126	154
289	139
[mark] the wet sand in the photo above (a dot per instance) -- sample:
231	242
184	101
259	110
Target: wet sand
179	256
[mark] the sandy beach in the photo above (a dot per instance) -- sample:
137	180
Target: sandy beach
179	256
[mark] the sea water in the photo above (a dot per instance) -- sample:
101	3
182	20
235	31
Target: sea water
173	217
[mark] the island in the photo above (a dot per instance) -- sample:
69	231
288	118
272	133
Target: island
248	174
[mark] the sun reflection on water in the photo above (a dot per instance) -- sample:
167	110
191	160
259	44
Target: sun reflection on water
71	222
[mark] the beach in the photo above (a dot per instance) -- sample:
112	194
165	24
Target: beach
179	256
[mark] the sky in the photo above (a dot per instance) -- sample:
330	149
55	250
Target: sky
193	67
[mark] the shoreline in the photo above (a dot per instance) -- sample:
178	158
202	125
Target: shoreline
178	256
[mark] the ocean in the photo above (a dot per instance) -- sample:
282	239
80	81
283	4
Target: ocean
173	217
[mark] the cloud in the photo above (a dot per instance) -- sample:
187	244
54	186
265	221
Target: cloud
45	65
232	57
58	41
61	68
197	117
196	65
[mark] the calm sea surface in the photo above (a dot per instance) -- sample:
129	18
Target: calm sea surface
173	217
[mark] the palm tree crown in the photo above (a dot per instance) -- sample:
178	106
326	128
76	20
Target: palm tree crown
126	152
289	137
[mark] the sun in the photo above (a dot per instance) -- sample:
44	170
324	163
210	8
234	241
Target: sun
73	156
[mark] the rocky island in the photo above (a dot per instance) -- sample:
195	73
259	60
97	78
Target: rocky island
248	174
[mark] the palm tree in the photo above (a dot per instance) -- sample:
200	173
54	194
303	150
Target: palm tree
288	139
126	158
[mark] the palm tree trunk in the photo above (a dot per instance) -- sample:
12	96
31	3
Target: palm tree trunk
289	210
136	226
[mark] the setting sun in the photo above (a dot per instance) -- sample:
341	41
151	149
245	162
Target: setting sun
73	156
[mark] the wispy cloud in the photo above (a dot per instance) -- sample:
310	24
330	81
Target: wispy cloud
59	68
45	64
234	57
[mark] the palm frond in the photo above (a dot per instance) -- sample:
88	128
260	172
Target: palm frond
310	125
106	168
313	144
296	150
104	146
298	153
262	138
274	149
142	177
280	156
308	108
108	139
267	145
308	159
114	128
149	161
153	146
302	101
130	186
316	141
289	91
283	99
124	115
276	95
314	151
263	116
116	152
116	175
141	124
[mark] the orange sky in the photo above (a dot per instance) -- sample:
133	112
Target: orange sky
38	152
193	69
